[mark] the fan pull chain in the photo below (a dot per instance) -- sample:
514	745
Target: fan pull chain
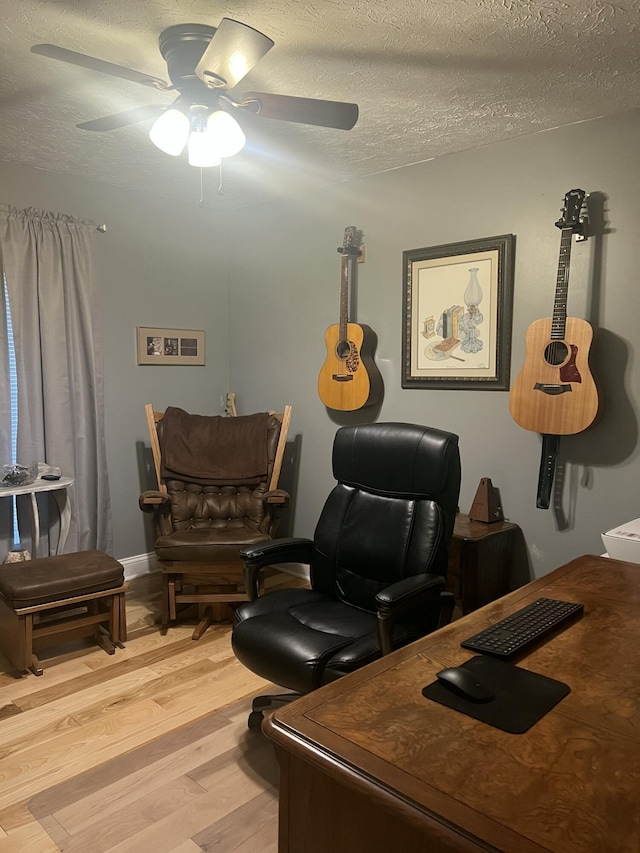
220	190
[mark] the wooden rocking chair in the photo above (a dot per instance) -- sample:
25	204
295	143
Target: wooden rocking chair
203	519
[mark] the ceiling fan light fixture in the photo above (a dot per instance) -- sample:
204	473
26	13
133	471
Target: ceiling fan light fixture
203	64
170	132
200	150
225	133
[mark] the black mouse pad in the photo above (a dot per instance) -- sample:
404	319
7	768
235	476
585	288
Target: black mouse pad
520	698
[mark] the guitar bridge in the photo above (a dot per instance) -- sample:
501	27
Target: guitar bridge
342	377
552	390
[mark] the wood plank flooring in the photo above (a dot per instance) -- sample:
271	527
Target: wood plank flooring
166	716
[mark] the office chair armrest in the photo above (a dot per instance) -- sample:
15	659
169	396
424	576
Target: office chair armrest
263	554
151	501
277	497
414	593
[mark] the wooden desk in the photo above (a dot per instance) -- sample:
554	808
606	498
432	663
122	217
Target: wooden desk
369	765
480	561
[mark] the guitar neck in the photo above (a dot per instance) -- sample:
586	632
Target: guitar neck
344	297
559	320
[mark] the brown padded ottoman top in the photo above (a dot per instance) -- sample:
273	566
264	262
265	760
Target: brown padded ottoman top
54	578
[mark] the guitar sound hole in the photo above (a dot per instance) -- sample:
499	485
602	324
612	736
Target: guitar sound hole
556	353
347	351
343	349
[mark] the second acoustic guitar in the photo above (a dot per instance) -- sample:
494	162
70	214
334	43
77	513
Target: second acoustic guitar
349	378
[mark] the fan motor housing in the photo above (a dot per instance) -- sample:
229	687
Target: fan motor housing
182	47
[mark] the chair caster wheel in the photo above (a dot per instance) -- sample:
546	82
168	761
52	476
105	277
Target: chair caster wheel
255	721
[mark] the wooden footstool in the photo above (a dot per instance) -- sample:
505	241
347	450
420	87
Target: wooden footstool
65	596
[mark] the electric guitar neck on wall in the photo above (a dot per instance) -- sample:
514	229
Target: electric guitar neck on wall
554	393
349	378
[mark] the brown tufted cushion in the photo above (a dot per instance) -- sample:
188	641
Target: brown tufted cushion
218	507
50	579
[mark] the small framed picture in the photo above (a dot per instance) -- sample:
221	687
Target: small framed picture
170	346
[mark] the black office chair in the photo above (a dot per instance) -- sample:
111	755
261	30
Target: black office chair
378	562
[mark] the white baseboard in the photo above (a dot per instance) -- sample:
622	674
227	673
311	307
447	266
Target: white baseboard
142	564
145	564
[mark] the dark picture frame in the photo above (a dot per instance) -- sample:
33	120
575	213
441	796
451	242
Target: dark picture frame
457	315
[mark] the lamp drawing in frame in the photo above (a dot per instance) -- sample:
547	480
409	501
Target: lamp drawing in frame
473	318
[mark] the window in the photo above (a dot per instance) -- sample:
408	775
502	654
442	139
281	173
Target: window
13	387
51	394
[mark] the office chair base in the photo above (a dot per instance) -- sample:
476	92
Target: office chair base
267	703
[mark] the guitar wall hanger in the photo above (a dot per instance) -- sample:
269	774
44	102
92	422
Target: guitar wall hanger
580	227
356	251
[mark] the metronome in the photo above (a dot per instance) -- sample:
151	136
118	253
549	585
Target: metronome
486	505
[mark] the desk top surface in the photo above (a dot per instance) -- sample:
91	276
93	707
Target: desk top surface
570	783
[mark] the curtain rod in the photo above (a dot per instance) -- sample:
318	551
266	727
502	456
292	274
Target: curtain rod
101	228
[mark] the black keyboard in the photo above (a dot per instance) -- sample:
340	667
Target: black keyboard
513	634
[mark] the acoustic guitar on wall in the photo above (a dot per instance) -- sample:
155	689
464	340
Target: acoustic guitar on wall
349	378
554	393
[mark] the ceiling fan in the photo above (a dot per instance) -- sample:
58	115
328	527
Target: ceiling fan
203	64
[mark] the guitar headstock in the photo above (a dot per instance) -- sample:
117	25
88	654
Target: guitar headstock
349	236
349	243
570	216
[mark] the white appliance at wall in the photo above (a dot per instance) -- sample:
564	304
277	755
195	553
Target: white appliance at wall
623	542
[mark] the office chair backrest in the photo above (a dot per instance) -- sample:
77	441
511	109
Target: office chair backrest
392	512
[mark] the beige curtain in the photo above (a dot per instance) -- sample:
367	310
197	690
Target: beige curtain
49	268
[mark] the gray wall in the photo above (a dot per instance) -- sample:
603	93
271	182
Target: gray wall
266	294
159	264
285	293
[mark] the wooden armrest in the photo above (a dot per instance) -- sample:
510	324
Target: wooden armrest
277	497
152	500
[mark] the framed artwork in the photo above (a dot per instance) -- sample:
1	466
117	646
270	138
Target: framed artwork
170	346
457	312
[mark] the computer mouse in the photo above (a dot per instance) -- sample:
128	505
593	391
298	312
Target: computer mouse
465	683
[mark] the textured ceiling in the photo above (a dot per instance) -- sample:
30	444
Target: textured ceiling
430	78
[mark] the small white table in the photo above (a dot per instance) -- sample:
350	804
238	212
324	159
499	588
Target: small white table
59	489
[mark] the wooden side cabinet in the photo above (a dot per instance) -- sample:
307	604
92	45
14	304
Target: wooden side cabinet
480	560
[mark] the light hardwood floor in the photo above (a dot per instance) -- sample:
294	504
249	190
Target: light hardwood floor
89	708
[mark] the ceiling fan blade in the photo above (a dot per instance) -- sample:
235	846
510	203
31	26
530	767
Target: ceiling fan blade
85	61
231	54
118	120
302	110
